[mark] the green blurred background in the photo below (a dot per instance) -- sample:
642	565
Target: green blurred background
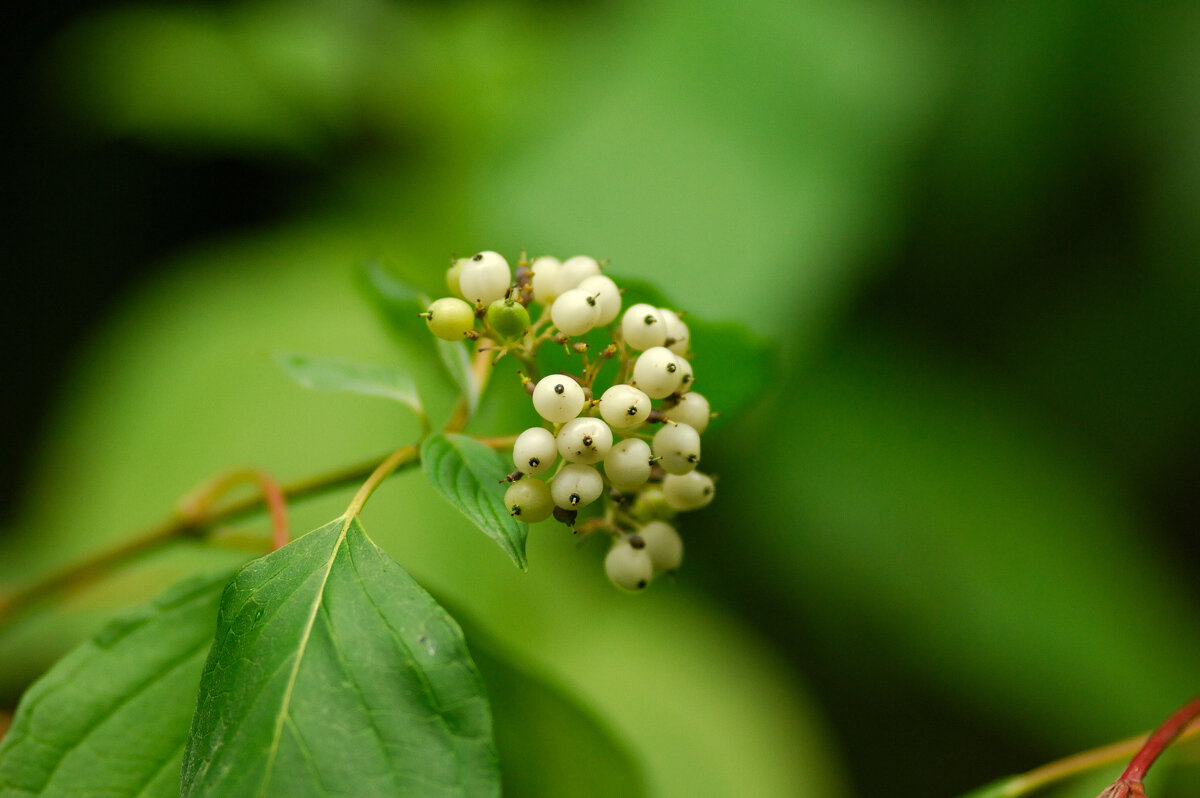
957	536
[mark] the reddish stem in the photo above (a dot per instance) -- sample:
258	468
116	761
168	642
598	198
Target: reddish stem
1159	741
277	505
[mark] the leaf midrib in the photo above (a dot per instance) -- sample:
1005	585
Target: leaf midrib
285	704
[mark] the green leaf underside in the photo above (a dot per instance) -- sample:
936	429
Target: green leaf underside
112	716
469	475
457	361
334	673
331	374
399	303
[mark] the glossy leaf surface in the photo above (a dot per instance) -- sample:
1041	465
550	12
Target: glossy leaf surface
112	716
468	475
334	673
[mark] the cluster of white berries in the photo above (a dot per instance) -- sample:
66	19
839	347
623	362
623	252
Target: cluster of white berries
635	447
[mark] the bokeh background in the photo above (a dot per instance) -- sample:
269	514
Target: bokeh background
957	536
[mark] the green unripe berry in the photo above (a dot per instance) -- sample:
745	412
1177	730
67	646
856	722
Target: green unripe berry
452	275
663	544
529	500
651	504
629	568
508	317
449	318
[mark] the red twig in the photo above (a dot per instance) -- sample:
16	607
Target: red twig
1130	783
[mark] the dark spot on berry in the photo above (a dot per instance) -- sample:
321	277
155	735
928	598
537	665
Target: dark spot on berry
534	462
636	541
587	440
477	256
574	499
641	584
649	320
560	389
632	411
707	491
672	368
516	510
591	301
691	458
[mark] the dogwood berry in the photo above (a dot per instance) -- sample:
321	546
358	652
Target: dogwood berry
575	311
627	465
450	318
529	500
508	317
485	277
544	279
689	491
663	544
584	440
685	370
558	398
643	326
629	568
607	295
657	372
624	407
534	451
691	409
574	271
453	274
576	485
677	332
677	446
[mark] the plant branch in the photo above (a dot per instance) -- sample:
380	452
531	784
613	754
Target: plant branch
195	518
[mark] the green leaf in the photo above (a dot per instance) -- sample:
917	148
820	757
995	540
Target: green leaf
457	361
333	672
111	717
398	304
576	754
331	374
469	475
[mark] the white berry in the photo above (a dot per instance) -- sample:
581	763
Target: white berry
685	370
677	332
691	409
629	568
574	271
677	446
452	275
485	277
689	491
449	318
529	500
545	279
575	312
627	465
607	296
558	398
576	485
534	451
643	326
663	544
624	407
657	372
584	440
